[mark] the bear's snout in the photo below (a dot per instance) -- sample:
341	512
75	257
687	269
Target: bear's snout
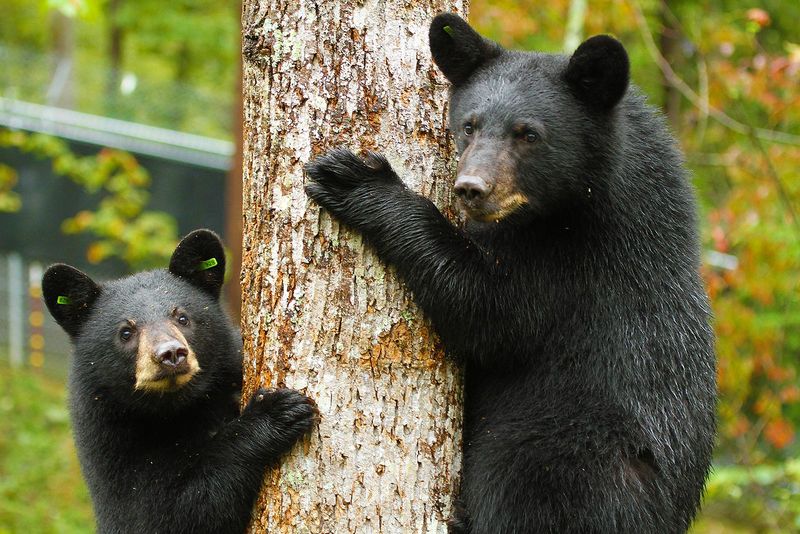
472	189
486	184
165	361
170	353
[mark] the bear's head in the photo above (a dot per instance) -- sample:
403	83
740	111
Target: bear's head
151	340
531	129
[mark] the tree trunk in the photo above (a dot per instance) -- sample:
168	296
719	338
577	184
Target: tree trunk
669	46
60	93
573	33
320	313
116	35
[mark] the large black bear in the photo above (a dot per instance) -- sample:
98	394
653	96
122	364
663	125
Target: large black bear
154	389
572	294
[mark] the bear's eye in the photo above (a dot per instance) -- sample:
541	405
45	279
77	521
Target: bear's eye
469	129
183	320
125	333
531	136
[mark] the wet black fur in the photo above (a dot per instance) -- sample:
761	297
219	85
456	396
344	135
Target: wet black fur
581	318
179	462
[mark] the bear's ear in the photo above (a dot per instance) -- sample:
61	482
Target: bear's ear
457	49
69	295
200	260
598	72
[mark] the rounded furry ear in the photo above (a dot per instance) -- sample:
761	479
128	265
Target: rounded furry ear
69	295
598	72
200	260
457	49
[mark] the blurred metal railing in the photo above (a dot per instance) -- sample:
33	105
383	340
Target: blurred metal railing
129	136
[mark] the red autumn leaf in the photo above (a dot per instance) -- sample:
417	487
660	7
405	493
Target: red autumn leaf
779	433
759	16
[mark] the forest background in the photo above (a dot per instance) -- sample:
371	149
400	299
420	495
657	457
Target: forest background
725	73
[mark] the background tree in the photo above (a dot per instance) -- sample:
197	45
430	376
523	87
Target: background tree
320	313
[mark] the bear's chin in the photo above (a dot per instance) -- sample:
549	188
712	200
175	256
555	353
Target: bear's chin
494	208
166	384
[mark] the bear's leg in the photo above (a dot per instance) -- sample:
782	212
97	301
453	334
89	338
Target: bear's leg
218	492
568	497
565	461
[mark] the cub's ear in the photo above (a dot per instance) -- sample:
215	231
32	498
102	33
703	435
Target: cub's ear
200	260
69	295
457	49
598	72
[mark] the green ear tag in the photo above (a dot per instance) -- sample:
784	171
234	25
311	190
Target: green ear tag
63	300
205	265
449	31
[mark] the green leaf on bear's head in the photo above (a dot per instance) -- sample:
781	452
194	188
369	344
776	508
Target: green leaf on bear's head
449	31
63	300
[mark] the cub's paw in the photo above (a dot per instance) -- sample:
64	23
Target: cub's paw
287	409
340	180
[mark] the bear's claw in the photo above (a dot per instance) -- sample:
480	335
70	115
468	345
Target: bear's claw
285	407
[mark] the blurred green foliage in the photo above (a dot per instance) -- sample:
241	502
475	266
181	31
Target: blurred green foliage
10	200
121	226
41	490
764	497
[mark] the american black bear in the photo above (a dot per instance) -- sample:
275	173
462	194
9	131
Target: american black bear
154	388
572	294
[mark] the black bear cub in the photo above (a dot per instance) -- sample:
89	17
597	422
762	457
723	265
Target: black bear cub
572	294
154	392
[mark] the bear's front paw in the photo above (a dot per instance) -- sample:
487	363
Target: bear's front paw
288	409
340	181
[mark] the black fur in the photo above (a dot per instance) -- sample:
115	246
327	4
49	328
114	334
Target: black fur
78	292
457	48
187	261
579	315
598	72
173	461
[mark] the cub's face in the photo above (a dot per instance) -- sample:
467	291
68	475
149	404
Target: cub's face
146	332
527	126
153	335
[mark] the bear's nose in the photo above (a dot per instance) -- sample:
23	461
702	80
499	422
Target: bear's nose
472	188
170	353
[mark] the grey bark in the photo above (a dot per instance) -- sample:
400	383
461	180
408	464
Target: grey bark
319	312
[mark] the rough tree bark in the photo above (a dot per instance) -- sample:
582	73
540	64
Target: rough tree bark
319	312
